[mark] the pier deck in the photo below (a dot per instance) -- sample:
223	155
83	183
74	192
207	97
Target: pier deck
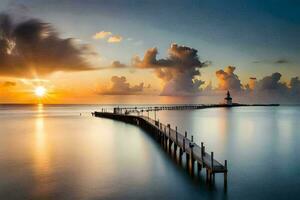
169	137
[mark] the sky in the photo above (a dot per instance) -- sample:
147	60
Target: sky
140	51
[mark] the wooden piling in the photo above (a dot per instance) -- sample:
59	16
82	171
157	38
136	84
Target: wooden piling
180	154
212	159
170	145
165	139
225	175
187	156
176	135
199	167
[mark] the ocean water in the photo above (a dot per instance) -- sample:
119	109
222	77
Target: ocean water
62	152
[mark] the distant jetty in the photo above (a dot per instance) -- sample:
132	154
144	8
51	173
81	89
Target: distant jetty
141	109
228	102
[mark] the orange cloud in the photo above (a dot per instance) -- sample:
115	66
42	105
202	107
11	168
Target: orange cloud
108	36
252	83
115	39
228	80
102	35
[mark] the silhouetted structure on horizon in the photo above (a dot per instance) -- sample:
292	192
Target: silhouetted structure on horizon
228	99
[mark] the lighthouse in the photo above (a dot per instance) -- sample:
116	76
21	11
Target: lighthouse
228	99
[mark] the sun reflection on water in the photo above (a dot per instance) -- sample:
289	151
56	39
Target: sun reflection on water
41	154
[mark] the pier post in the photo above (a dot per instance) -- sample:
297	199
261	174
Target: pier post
199	167
203	154
225	175
202	150
212	174
212	160
192	154
180	154
165	139
207	175
170	145
187	156
185	134
176	135
183	144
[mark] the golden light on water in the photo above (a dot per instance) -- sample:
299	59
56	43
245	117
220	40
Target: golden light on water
42	167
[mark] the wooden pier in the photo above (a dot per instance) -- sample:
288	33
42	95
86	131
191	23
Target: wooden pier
170	139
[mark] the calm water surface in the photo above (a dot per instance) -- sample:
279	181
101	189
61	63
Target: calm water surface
51	152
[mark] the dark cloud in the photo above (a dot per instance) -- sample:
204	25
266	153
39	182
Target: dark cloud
295	89
117	64
228	80
179	57
278	61
183	84
271	83
270	89
120	86
179	71
8	84
32	47
281	61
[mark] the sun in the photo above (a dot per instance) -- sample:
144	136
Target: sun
40	91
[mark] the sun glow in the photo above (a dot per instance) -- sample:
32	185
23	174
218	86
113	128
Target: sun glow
40	91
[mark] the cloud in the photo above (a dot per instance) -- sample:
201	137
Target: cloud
102	35
295	88
251	84
178	57
120	86
272	61
8	84
228	80
182	83
270	89
270	83
179	71
108	36
281	61
117	64
33	48
115	39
